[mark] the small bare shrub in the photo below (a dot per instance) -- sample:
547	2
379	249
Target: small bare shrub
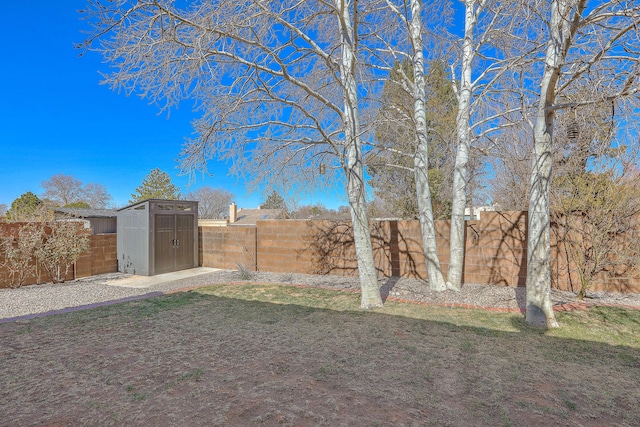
245	273
61	248
17	252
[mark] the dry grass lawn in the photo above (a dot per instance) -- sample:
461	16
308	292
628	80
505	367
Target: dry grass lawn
282	355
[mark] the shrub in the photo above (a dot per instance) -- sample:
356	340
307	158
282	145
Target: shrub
61	247
17	253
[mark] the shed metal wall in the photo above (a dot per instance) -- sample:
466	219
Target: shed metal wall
133	239
103	225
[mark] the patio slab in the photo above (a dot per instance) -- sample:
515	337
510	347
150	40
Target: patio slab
141	282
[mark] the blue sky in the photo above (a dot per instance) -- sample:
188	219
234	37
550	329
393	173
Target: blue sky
55	117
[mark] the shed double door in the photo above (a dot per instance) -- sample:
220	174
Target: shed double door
173	243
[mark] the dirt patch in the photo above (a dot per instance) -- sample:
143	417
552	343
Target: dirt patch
193	359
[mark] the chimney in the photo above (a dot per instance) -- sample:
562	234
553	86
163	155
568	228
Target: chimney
233	213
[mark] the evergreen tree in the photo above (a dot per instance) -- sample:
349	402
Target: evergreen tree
156	185
25	207
275	201
391	167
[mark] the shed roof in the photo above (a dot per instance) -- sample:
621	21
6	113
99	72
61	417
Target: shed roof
141	202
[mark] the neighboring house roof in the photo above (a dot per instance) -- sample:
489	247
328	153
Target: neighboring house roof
87	213
251	216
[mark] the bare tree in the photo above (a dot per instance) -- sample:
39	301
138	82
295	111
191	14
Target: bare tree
581	135
66	190
63	189
213	203
464	91
589	45
97	196
483	64
276	82
486	73
421	156
402	43
354	167
510	161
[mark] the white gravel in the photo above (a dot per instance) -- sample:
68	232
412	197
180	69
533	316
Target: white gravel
39	299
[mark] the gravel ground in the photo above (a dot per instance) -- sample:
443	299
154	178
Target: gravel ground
37	299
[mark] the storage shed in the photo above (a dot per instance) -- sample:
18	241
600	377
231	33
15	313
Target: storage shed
157	236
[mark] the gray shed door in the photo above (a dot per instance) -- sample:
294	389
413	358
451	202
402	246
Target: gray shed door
185	237
174	244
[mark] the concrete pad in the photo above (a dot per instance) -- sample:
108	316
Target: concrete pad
149	281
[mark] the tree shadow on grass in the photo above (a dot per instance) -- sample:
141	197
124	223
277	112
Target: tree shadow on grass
521	298
388	285
353	367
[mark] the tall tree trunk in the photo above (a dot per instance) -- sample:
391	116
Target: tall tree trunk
460	172
421	156
561	28
539	307
354	168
